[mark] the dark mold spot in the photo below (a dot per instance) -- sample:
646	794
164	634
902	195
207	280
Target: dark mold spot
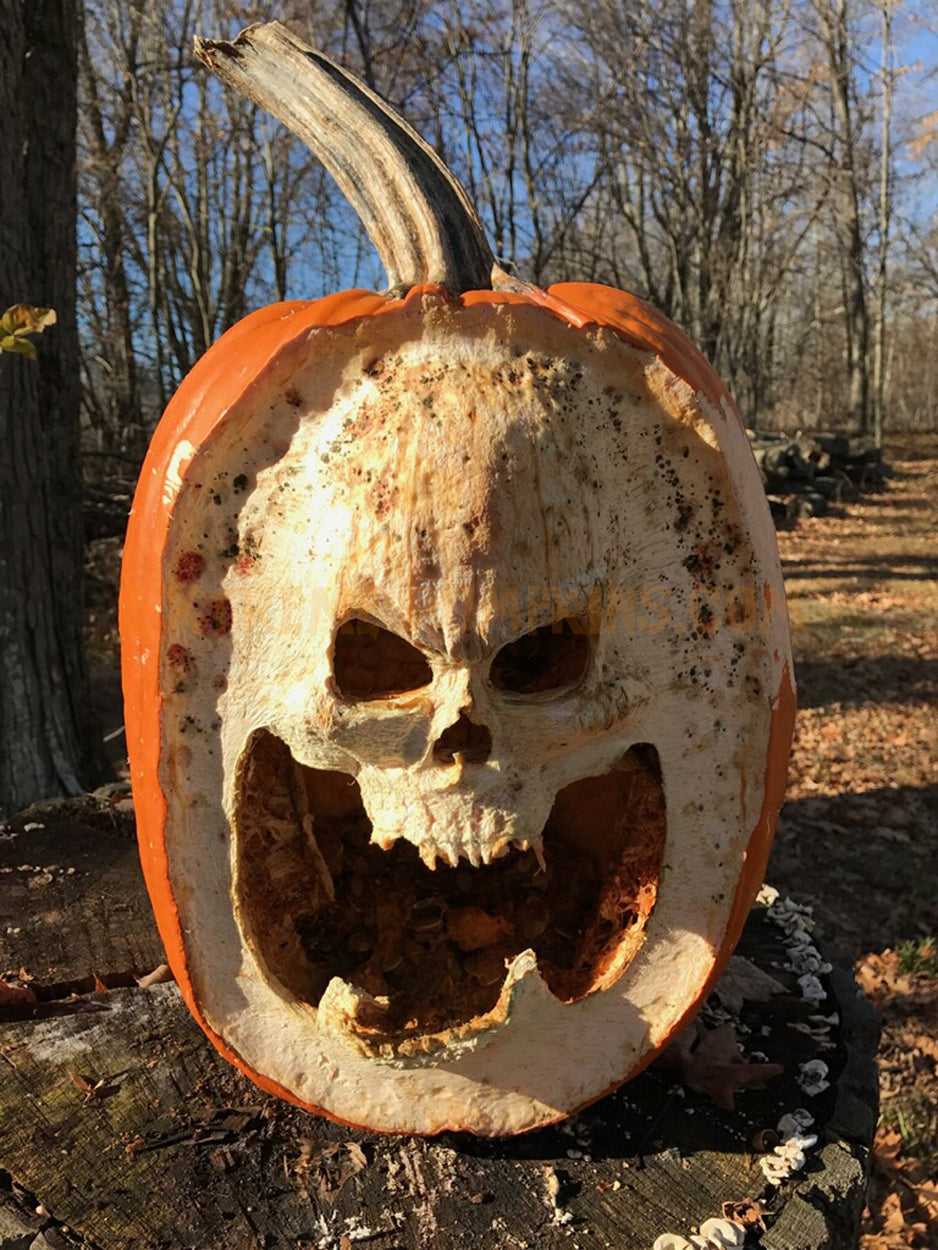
179	658
215	617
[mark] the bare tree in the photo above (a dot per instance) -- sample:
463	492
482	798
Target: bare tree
42	684
111	388
887	89
695	169
716	156
838	46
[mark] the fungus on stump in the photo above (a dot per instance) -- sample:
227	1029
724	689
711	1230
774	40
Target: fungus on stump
456	665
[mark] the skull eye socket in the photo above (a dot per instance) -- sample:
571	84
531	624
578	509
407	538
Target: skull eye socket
552	657
369	662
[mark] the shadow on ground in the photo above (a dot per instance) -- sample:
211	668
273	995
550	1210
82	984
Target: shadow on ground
866	679
865	861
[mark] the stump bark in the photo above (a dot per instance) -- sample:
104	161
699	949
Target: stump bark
120	1126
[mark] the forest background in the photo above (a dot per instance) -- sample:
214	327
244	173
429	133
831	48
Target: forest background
765	173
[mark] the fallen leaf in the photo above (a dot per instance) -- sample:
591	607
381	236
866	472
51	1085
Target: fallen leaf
881	977
11	994
892	1214
903	1200
91	1088
710	1062
748	1212
743	982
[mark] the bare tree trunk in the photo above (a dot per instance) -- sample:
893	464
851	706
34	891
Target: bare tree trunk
42	675
118	394
849	227
885	215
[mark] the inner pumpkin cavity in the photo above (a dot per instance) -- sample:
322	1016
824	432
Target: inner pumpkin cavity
318	899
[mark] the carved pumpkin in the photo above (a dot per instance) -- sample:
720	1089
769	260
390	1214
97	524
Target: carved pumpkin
456	667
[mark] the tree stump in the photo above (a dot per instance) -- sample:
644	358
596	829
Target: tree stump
121	1126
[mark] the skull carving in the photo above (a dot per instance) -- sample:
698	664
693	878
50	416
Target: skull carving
458	699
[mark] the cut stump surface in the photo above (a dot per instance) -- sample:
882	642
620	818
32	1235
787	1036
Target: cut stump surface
121	1126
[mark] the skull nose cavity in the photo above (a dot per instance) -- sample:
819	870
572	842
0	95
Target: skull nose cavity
472	742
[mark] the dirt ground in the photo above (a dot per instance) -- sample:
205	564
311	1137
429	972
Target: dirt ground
858	836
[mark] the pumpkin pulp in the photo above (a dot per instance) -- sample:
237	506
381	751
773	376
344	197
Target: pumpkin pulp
430	947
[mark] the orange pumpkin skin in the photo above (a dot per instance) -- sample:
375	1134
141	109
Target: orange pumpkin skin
197	410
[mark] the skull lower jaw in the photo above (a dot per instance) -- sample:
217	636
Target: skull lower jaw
402	959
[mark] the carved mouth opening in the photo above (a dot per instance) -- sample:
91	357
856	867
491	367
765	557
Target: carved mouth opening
318	900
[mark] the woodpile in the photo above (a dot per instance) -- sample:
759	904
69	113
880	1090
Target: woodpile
805	473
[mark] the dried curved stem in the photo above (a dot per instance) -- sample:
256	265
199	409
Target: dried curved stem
416	213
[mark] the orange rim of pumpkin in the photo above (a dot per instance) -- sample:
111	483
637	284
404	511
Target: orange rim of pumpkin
200	405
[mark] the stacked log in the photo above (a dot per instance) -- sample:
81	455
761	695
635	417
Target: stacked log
805	473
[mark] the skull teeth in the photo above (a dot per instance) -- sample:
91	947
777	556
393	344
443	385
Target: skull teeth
477	855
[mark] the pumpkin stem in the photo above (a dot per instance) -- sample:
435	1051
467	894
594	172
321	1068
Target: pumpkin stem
415	211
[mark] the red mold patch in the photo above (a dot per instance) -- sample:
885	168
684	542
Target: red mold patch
382	499
179	658
215	617
190	566
245	564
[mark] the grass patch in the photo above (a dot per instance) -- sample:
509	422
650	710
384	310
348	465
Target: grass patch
919	957
916	1122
